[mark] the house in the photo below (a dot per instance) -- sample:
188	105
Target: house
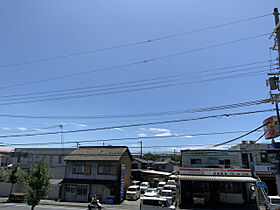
101	170
25	157
5	156
165	165
138	163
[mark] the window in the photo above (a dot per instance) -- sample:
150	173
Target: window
109	170
227	163
196	161
87	169
70	189
51	159
59	159
113	170
264	158
78	169
134	166
251	157
81	190
221	162
112	191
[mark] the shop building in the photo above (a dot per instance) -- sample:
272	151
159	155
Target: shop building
216	185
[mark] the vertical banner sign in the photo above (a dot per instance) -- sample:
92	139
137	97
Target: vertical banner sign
122	182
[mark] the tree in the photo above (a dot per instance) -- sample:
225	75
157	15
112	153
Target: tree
22	175
13	174
3	175
38	184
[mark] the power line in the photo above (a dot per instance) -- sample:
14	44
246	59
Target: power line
239	137
136	125
134	63
146	80
126	139
173	112
40	99
130	44
114	88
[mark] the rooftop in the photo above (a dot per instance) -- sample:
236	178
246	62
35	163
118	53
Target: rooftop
97	153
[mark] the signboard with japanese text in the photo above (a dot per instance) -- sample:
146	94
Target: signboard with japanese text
122	182
271	130
215	172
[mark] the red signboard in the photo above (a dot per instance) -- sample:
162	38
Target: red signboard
270	129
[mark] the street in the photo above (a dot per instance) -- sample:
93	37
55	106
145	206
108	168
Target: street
133	205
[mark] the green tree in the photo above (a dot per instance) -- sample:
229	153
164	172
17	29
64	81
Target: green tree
3	175
13	174
38	183
22	175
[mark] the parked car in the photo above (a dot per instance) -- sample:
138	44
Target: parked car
151	192
133	192
168	195
274	203
198	198
153	203
171	182
170	187
161	185
144	186
136	182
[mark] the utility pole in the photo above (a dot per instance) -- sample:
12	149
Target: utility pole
277	32
274	85
61	138
141	149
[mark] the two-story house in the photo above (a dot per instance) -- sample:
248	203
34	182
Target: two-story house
101	170
26	157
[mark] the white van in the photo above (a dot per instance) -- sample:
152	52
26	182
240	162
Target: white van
153	203
274	202
133	192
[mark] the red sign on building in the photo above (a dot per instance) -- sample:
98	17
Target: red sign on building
271	130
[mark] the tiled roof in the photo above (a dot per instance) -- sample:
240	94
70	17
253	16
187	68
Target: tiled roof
6	149
97	153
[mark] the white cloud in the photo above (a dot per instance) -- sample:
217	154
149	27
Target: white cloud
164	134
40	129
5	128
188	136
142	134
119	129
82	125
22	129
142	129
158	130
76	124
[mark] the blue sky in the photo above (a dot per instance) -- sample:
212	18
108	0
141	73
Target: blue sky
34	30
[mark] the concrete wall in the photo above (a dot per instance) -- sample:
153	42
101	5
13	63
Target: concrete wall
54	192
211	158
5	189
127	161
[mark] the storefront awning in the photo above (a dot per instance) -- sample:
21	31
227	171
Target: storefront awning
218	178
